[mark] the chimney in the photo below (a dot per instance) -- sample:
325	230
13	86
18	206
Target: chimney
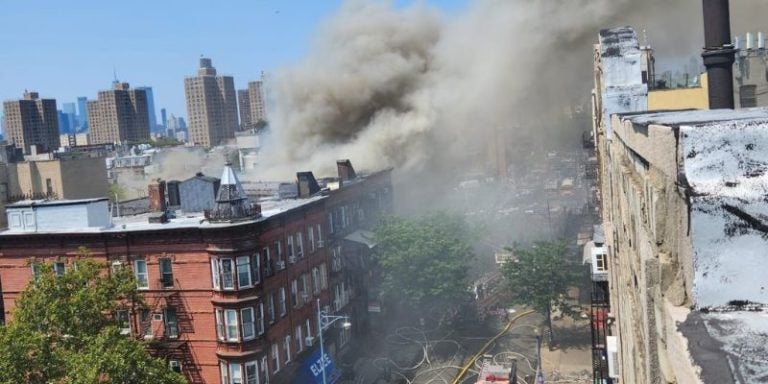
718	53
346	172
307	184
157	196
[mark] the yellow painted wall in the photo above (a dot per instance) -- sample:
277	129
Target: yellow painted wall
682	98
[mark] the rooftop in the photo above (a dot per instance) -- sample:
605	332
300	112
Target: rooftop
729	346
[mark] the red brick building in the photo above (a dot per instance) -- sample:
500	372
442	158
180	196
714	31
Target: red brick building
229	293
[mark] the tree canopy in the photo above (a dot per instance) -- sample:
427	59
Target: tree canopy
63	331
540	277
426	259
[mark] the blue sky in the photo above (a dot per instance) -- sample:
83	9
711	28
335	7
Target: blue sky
65	49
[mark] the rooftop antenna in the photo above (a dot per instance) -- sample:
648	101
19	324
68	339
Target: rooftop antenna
114	75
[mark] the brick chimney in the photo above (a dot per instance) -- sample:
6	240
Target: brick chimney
157	196
307	185
346	172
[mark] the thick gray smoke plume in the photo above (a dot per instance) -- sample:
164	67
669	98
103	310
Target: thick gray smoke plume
412	88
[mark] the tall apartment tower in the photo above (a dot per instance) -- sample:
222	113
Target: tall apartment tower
244	104
32	121
211	106
119	115
257	100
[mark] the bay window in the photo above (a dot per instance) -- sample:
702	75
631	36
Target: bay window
247	319
243	272
230	325
235	273
227	270
251	373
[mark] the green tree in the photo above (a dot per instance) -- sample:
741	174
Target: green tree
63	331
116	192
540	277
424	260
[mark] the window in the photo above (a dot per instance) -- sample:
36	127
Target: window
336	261
299	340
600	264
236	374
224	369
140	272
35	267
171	327
268	266
290	249
311	238
299	244
260	319
318	229
243	272
309	329
315	281
175	366
227	279
279	250
166	273
251	373
344	221
304	288
275	358
330	221
263	371
49	187
247	318
323	276
256	268
282	302
287	347
294	293
59	268
271	307
215	274
230	325
123	322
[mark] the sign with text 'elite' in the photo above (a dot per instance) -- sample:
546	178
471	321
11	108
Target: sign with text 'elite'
312	369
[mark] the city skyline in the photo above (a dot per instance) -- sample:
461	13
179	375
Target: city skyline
79	49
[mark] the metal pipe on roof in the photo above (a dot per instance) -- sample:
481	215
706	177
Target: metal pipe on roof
718	53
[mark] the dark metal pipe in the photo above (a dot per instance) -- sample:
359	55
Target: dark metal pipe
718	53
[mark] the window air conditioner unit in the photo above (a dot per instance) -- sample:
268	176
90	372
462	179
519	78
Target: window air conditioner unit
320	243
280	265
309	341
291	259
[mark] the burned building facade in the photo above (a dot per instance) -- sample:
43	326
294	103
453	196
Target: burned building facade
229	294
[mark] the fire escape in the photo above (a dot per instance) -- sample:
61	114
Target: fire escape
599	308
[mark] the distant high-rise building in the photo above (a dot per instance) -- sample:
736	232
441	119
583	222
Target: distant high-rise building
211	106
150	108
119	115
32	121
164	116
257	100
82	114
244	103
182	124
66	122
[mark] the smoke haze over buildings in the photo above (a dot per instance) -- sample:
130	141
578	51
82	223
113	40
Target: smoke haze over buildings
413	88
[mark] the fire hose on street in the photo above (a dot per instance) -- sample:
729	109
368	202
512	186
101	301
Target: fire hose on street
471	361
